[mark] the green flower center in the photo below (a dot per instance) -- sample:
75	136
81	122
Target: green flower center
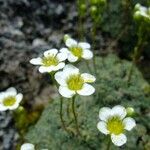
77	51
50	60
115	125
75	82
9	101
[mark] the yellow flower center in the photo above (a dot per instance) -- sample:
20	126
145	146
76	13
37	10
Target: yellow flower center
50	60
75	82
9	101
115	125
77	51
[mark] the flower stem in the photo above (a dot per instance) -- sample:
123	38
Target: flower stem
75	116
61	104
61	114
109	144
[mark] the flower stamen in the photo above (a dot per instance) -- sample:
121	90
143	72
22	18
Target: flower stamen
115	125
9	101
75	82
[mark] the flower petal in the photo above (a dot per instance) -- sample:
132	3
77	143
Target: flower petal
129	123
19	97
50	52
72	58
70	69
88	77
62	56
3	108
64	50
27	146
2	96
119	140
59	66
84	45
86	90
102	127
71	42
119	111
36	61
65	92
59	77
43	69
11	91
87	54
104	113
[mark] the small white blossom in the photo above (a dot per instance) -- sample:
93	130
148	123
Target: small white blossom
9	99
77	50
114	122
27	146
73	82
141	11
51	61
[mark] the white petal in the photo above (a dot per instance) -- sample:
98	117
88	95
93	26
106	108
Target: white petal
102	127
64	50
104	113
88	77
119	140
2	96
87	54
86	90
71	42
84	45
72	58
129	123
44	69
62	56
119	111
3	108
14	106
59	66
27	146
50	52
59	77
19	97
36	61
70	69
11	91
65	92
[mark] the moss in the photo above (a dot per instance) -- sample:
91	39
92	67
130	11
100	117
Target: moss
111	89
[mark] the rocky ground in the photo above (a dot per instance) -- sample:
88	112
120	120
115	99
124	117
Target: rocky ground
26	29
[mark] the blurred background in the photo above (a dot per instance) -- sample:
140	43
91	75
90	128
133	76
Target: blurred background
29	27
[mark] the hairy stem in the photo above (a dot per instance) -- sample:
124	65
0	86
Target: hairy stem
75	115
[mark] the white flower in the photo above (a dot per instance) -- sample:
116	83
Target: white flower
141	11
9	99
51	61
114	122
72	82
77	50
27	146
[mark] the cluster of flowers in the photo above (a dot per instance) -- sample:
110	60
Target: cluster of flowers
142	13
71	82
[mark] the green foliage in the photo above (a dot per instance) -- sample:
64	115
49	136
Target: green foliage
111	89
119	23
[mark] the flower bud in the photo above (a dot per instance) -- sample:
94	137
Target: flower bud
66	36
130	111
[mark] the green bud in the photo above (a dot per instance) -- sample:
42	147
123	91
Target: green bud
82	7
95	2
66	36
130	111
93	10
137	15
